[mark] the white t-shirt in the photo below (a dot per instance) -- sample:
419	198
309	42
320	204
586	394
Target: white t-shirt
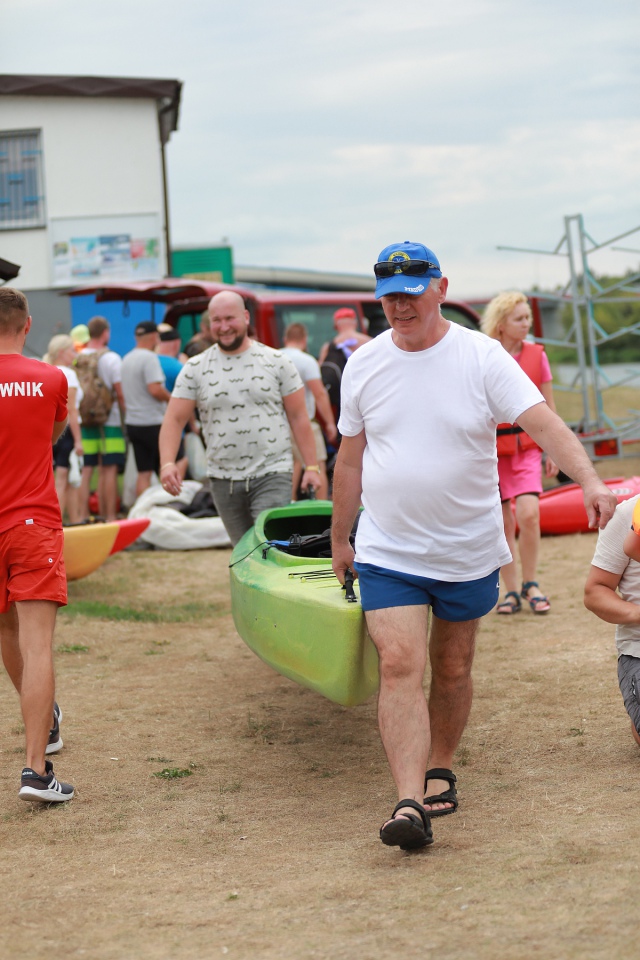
73	382
611	557
110	372
430	475
239	401
309	369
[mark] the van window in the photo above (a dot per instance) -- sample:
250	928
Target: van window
452	313
317	318
376	320
188	325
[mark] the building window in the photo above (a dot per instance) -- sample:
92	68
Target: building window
21	180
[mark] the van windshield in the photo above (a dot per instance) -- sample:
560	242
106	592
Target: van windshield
317	318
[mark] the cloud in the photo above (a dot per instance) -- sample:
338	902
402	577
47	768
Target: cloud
314	134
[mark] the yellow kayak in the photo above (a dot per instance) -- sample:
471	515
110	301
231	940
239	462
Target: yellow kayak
87	547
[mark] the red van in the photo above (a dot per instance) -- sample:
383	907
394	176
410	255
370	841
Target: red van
271	311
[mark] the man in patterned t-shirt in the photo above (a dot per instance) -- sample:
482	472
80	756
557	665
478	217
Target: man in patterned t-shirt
247	396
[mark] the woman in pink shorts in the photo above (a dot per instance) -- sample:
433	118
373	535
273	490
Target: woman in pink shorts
508	319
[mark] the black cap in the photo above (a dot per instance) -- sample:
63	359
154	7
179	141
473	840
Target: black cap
170	334
147	326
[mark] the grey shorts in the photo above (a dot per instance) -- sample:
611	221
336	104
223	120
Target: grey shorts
629	682
239	502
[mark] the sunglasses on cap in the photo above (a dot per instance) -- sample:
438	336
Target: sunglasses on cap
413	268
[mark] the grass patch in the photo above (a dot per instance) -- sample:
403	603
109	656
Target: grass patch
234	787
172	773
180	613
259	729
72	648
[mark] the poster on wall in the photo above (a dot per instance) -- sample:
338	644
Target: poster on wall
88	250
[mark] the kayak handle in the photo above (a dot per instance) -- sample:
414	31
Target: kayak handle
348	587
311	492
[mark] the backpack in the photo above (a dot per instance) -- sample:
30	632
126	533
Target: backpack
97	401
331	371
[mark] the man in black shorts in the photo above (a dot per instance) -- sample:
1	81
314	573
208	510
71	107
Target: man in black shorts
146	396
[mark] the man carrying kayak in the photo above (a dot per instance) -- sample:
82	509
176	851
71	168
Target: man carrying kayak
420	405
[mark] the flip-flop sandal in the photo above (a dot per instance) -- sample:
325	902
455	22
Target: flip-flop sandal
537	604
508	606
447	796
407	832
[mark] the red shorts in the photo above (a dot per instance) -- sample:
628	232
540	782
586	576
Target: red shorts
32	565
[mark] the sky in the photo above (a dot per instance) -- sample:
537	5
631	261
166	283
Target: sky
312	133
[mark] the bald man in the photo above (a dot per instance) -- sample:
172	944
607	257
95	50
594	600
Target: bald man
247	396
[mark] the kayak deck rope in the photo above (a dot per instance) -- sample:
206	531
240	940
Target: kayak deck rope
327	574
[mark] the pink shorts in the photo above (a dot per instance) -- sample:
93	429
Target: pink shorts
32	565
521	473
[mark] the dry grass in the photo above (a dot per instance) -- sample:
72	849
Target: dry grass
269	848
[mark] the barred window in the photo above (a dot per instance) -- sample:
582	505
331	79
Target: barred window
21	180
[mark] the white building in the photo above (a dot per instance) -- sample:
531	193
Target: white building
83	185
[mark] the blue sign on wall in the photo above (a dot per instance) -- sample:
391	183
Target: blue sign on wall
122	316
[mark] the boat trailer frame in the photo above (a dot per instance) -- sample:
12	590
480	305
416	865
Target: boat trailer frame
602	437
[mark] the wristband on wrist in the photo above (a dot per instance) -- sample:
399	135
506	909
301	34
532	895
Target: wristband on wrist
313	469
165	465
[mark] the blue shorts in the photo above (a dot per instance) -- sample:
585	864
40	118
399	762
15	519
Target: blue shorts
455	602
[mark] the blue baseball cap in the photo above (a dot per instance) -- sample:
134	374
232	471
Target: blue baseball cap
399	281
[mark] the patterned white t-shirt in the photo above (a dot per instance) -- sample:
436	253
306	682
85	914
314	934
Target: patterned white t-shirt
610	556
239	401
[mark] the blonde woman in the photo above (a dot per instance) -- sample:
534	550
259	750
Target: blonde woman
61	353
508	319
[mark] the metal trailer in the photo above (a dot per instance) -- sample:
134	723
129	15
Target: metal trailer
602	437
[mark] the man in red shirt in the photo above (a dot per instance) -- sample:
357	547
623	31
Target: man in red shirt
33	583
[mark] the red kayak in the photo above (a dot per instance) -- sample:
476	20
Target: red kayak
128	531
562	509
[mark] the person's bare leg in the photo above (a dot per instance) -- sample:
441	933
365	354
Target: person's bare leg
72	501
10	646
451	650
295	480
400	636
36	623
528	518
143	482
183	466
509	572
108	492
322	493
60	477
85	489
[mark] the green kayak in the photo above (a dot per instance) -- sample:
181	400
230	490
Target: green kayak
291	610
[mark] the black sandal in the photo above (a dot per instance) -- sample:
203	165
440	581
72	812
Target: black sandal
507	606
538	604
407	832
447	796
